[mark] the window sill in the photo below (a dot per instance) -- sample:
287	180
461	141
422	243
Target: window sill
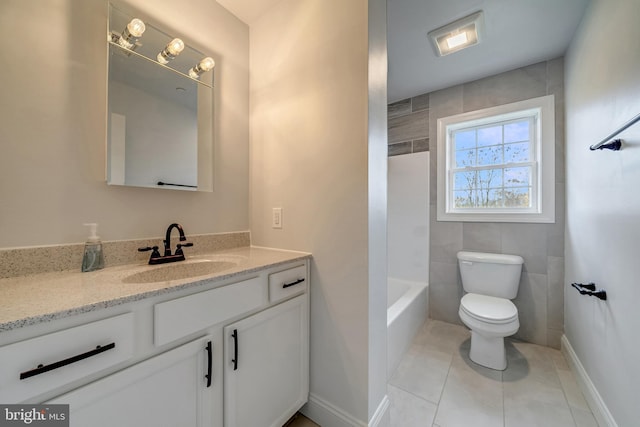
496	217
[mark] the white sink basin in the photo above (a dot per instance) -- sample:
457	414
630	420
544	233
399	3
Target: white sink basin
181	270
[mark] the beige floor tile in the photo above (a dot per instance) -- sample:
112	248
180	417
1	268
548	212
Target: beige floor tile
560	361
472	396
537	388
408	410
422	372
529	402
583	418
530	361
572	391
442	336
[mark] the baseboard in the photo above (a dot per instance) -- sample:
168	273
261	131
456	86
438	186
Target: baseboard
591	395
326	414
382	416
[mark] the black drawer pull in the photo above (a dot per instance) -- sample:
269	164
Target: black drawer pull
41	369
209	375
234	335
288	285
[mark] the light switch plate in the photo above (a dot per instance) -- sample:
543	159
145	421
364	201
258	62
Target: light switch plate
276	218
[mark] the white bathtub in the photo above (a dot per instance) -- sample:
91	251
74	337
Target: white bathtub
407	305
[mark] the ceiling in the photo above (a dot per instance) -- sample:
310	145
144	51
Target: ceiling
517	33
247	10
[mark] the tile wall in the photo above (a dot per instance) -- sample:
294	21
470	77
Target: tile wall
412	127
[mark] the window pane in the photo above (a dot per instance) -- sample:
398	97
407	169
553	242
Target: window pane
465	139
490	198
493	160
517	197
515	153
516	132
489	136
464	199
517	177
490	178
490	155
465	158
464	180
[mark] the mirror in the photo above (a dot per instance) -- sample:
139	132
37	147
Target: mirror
160	108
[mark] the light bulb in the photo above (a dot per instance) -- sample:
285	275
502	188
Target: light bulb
170	51
204	65
132	32
207	64
136	27
175	47
457	40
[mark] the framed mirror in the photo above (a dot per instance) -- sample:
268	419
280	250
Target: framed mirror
160	108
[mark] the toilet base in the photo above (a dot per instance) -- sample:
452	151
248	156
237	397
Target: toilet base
488	351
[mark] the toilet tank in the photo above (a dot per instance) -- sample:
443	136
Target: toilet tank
496	275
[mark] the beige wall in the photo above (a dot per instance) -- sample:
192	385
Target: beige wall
310	156
52	126
603	206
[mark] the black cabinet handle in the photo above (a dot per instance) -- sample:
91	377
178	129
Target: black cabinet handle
234	335
41	369
295	282
209	375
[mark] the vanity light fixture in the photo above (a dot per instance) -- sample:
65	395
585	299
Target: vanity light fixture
203	66
170	51
131	33
457	35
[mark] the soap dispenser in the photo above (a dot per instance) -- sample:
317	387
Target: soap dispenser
93	258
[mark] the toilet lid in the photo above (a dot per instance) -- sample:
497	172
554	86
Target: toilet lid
489	309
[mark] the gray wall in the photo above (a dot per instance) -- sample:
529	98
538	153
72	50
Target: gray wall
603	206
540	298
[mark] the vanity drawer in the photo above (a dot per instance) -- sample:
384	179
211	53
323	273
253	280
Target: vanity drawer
38	365
286	283
183	316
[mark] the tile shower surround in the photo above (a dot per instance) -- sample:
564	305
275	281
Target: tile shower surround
540	299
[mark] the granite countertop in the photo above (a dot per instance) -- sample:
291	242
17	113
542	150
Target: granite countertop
33	299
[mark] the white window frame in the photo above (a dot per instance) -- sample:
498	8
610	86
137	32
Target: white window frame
543	162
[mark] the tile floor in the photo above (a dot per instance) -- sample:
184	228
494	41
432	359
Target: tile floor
437	385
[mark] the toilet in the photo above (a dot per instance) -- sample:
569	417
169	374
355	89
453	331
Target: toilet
490	281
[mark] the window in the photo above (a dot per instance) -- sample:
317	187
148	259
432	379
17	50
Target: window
497	164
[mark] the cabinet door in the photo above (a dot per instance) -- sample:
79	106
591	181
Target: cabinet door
168	390
266	376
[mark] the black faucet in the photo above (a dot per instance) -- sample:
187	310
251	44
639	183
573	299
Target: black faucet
167	239
156	258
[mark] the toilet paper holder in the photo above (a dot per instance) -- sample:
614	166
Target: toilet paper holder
590	289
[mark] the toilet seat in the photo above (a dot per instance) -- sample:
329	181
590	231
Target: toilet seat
485	308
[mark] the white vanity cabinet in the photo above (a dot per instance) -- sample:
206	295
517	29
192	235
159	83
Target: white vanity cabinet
266	365
267	357
175	388
232	352
45	363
